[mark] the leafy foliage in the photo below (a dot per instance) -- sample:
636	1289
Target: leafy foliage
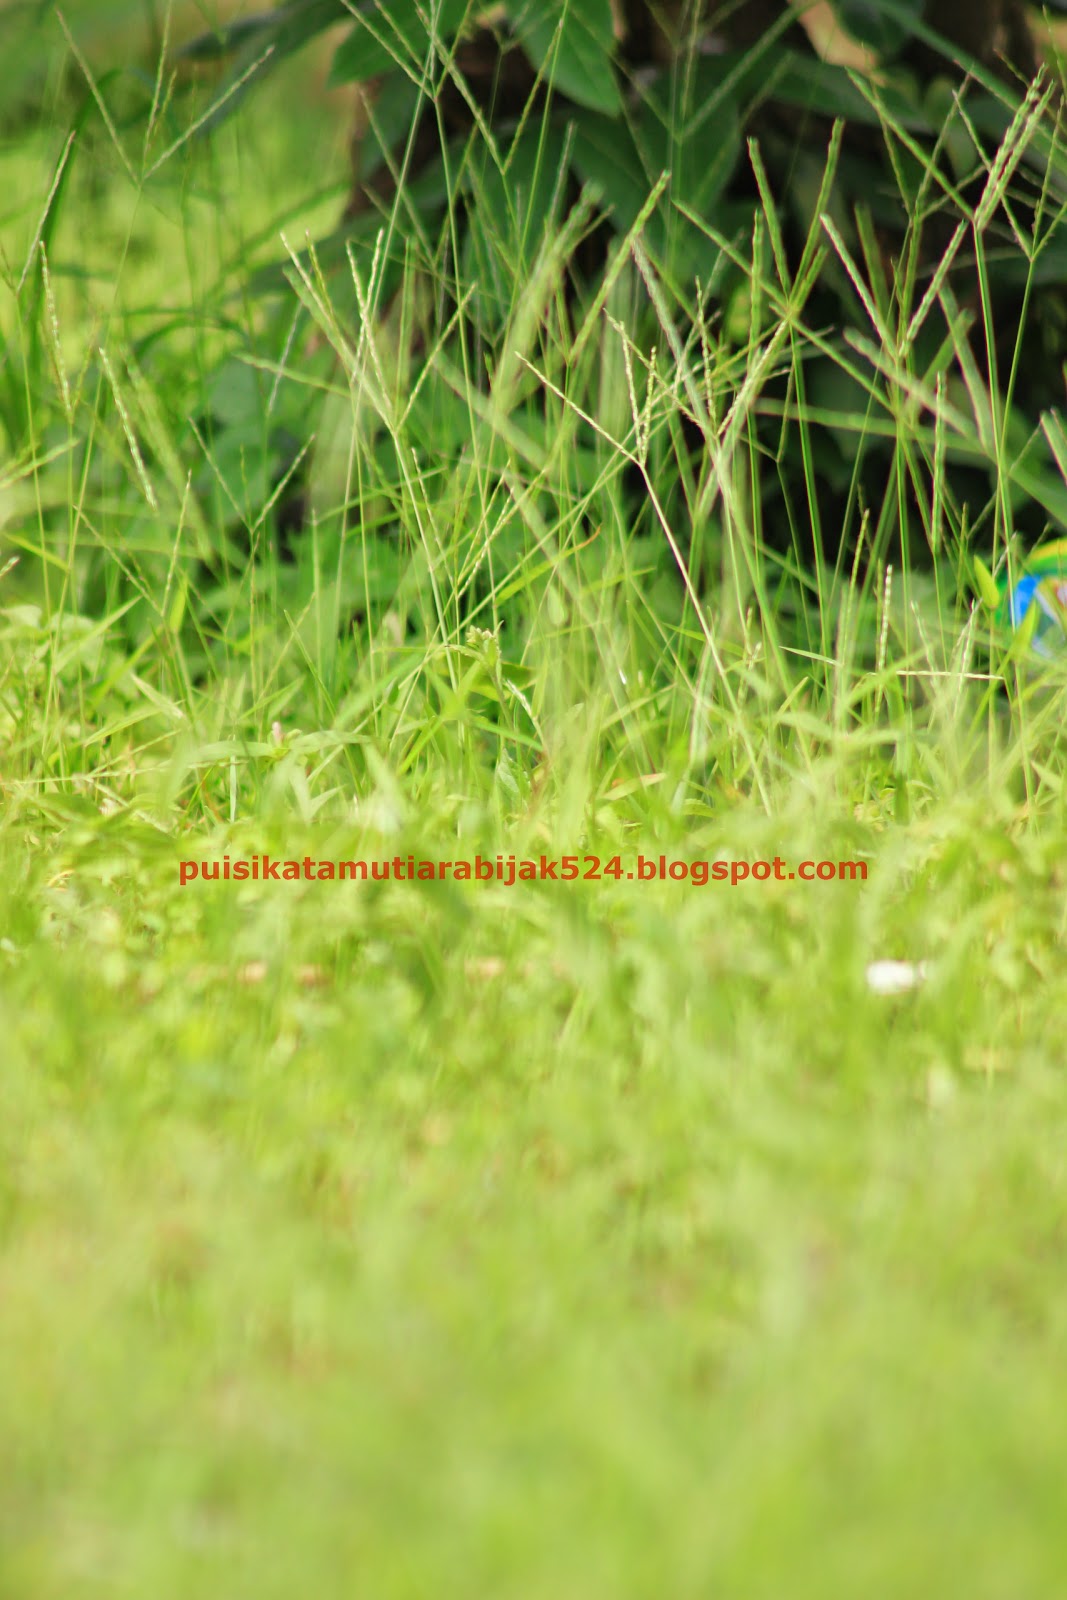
539	100
719	322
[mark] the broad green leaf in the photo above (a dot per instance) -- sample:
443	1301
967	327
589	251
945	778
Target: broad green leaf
266	40
511	210
217	43
805	82
575	41
606	156
884	27
395	111
624	161
385	36
426	195
287	28
699	154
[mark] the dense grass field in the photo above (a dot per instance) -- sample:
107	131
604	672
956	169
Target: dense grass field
610	1238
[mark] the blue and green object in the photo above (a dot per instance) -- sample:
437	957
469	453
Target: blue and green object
1031	600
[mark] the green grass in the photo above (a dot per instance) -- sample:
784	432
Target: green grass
598	1239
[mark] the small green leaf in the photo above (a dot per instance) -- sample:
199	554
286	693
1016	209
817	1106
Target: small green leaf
985	584
176	612
1023	642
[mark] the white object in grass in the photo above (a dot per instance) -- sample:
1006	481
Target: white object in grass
895	977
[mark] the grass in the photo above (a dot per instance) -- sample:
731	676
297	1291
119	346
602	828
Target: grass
594	1239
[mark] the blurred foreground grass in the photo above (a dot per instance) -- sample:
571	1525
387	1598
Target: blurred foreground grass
591	1240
